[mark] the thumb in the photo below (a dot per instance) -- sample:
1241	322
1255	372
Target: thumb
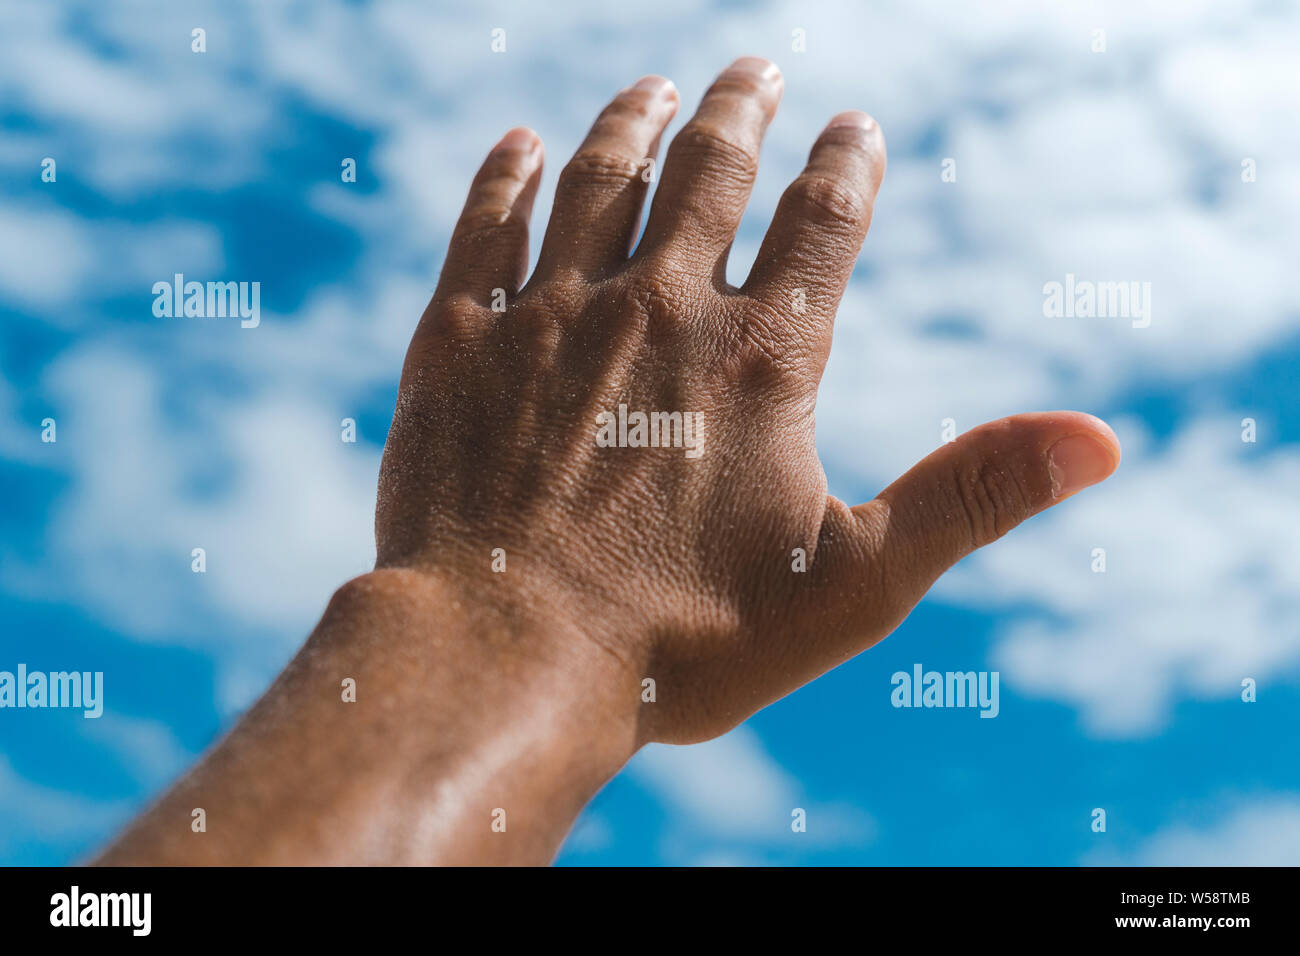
974	490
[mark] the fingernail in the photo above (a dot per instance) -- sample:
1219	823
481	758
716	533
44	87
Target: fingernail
851	118
658	85
1077	462
520	138
765	69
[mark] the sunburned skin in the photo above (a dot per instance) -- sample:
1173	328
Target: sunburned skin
532	579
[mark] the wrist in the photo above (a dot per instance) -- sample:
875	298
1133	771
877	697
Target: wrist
487	705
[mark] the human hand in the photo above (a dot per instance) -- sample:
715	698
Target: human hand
476	692
680	562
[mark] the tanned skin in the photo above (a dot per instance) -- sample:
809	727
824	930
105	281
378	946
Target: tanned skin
522	691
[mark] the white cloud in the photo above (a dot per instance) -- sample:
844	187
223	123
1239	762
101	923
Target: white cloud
290	517
1258	833
56	262
729	786
731	789
46	257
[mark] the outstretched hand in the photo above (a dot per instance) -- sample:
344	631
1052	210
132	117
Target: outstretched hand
598	478
636	436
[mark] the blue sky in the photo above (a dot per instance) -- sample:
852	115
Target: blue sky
1119	690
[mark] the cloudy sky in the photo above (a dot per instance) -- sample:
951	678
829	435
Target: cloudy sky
1151	143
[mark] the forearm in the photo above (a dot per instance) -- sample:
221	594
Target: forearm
468	713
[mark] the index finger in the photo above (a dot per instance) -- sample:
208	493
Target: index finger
822	219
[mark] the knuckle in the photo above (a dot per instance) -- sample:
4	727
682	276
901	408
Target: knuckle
766	364
829	201
492	218
760	365
652	299
632	104
553	303
715	148
455	318
594	166
992	498
764	337
767	349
